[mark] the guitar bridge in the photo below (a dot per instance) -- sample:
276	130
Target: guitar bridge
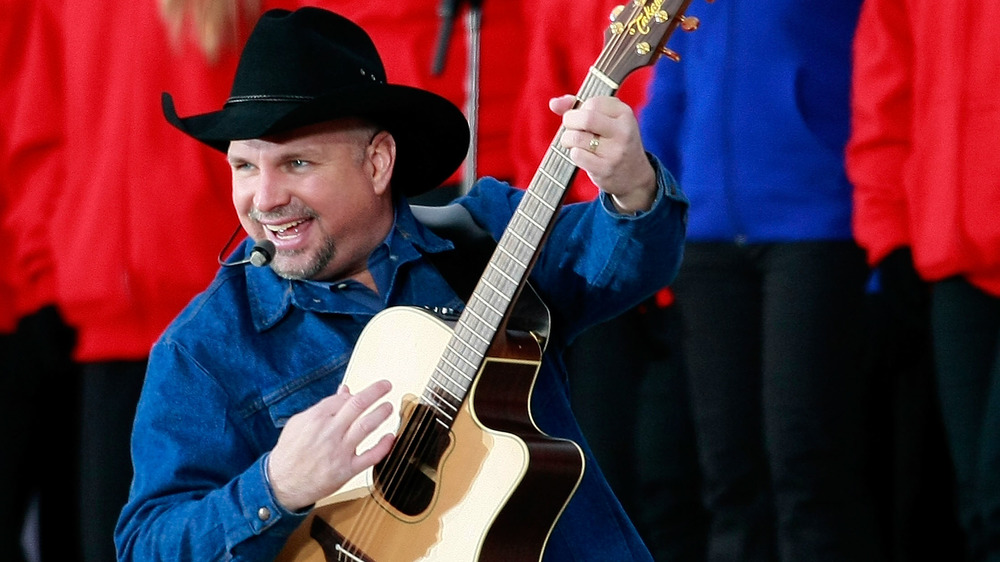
334	545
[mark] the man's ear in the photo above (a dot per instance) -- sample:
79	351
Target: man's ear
382	155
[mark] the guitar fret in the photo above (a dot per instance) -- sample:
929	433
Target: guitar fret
503	274
503	249
513	260
477	352
485	322
496	292
440	390
531	220
490	314
558	150
596	73
539	209
550	206
436	401
524	252
551	194
517	235
497	311
447	377
434	398
547	175
468	328
480	337
454	367
441	404
464	358
448	390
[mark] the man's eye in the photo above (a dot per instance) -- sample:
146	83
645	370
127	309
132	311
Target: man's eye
299	163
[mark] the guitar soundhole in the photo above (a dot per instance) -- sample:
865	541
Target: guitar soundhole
408	476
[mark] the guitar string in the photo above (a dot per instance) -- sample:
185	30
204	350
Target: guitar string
416	440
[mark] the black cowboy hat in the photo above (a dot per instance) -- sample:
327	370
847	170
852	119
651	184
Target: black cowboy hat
311	65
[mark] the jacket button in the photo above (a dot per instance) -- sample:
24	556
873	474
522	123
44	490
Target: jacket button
263	514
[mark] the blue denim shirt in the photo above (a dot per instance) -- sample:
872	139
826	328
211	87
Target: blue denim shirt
253	349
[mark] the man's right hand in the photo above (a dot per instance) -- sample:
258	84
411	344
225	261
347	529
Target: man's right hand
317	453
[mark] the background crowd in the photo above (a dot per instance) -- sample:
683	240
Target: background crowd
822	382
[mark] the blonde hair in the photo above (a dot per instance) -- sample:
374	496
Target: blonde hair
213	24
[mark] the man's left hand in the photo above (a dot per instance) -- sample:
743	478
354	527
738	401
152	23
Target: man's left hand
603	139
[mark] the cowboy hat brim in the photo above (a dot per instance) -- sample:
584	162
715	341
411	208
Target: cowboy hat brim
431	133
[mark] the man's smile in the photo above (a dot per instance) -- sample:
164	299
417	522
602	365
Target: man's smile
281	231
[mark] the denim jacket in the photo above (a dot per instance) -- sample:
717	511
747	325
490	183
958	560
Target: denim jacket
253	349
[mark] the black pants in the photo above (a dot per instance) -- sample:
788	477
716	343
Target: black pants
966	332
911	466
38	440
110	395
630	398
772	339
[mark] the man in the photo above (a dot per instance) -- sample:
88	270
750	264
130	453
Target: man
244	424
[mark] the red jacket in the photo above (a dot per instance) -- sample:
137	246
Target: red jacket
406	34
29	181
145	210
564	39
924	155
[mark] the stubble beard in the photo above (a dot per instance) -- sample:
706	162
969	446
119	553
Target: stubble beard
323	256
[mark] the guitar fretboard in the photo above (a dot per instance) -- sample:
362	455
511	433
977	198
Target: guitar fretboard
507	270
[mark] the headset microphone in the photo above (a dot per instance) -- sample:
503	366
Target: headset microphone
260	255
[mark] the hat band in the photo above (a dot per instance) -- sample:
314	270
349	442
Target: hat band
268	97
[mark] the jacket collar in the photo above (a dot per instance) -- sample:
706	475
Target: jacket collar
270	297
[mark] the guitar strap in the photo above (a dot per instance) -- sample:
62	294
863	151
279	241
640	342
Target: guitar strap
463	266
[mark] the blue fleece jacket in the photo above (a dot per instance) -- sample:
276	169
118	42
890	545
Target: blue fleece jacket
754	118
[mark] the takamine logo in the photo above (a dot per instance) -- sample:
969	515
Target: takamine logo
650	12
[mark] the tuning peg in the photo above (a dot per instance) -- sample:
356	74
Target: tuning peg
689	23
670	54
616	11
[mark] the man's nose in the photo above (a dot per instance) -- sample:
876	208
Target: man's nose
271	192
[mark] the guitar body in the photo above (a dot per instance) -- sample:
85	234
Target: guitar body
500	484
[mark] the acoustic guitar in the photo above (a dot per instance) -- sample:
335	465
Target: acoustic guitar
470	476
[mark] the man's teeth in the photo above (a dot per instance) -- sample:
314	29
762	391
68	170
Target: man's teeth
281	228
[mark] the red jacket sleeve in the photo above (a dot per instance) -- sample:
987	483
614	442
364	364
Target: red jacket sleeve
31	177
882	101
564	39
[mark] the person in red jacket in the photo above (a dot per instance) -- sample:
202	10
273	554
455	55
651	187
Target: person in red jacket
411	31
923	158
137	228
37	376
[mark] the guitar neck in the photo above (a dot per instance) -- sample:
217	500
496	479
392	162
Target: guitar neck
508	268
634	39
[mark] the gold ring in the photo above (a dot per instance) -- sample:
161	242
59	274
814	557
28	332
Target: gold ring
594	143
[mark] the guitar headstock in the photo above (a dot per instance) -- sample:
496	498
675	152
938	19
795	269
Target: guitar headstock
638	35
